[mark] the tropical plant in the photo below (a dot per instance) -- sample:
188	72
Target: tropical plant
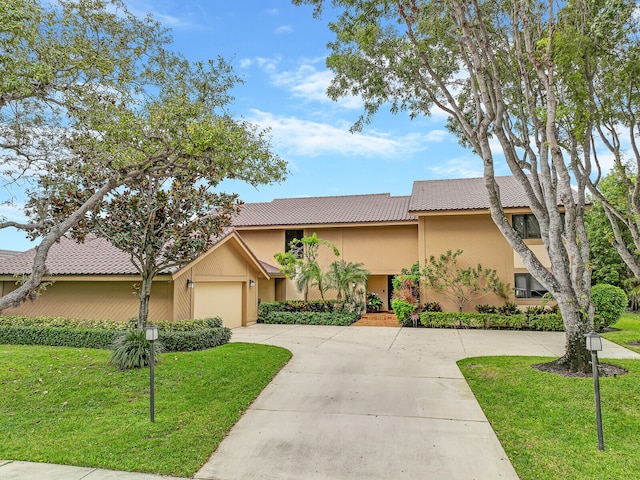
374	302
301	263
345	277
461	285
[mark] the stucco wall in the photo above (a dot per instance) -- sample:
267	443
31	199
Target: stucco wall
481	242
223	264
95	299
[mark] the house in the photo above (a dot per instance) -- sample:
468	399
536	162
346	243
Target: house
96	280
388	233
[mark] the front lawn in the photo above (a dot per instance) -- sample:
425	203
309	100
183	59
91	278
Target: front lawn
68	406
628	329
546	422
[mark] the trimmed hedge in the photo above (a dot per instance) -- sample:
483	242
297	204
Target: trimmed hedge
188	341
311	318
265	309
181	335
542	322
58	336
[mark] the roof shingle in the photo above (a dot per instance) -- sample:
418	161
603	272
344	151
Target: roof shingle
464	194
325	210
96	256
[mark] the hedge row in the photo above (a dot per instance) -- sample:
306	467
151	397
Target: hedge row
266	308
163	325
178	336
543	322
311	318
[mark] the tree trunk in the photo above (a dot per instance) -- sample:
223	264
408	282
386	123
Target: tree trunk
576	357
145	296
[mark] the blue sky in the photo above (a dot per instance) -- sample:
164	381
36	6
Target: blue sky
279	50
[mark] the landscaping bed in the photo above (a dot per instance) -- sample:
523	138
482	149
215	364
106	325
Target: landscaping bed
305	313
541	322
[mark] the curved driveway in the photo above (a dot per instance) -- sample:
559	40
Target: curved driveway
373	403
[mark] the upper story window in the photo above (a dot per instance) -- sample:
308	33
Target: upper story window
528	287
290	236
526	225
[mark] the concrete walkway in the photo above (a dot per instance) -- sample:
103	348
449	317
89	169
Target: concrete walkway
359	403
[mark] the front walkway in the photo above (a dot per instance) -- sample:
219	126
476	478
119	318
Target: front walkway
373	403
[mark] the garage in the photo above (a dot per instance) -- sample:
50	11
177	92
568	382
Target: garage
219	299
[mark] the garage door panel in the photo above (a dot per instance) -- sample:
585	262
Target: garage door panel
219	299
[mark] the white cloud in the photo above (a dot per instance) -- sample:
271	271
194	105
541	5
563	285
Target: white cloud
305	81
273	11
12	212
459	167
283	29
307	138
437	136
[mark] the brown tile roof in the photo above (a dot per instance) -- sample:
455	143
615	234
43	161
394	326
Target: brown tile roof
7	253
270	269
464	194
96	256
325	210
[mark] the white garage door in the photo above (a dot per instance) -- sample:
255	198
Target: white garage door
219	299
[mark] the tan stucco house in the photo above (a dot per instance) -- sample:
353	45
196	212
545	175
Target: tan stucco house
96	280
386	233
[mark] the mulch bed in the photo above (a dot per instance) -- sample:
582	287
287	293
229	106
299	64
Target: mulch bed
605	369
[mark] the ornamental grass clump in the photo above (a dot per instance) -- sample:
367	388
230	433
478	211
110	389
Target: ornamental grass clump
132	350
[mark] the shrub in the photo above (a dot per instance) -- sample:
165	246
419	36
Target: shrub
544	322
180	335
191	340
431	307
312	318
57	336
610	302
266	308
132	350
509	308
403	310
485	308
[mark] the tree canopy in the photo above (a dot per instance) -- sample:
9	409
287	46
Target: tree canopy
92	100
517	80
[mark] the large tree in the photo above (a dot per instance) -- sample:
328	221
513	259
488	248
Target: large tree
163	224
614	100
60	63
509	74
92	101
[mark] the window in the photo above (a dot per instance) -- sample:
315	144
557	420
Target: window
526	226
528	287
291	235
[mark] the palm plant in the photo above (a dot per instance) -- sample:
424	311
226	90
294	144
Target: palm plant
344	277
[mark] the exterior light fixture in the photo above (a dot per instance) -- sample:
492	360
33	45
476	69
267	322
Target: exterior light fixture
594	345
252	283
190	283
151	334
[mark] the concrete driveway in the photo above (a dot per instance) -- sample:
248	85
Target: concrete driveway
373	403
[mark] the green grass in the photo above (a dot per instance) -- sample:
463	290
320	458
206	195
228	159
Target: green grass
628	329
546	422
68	406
